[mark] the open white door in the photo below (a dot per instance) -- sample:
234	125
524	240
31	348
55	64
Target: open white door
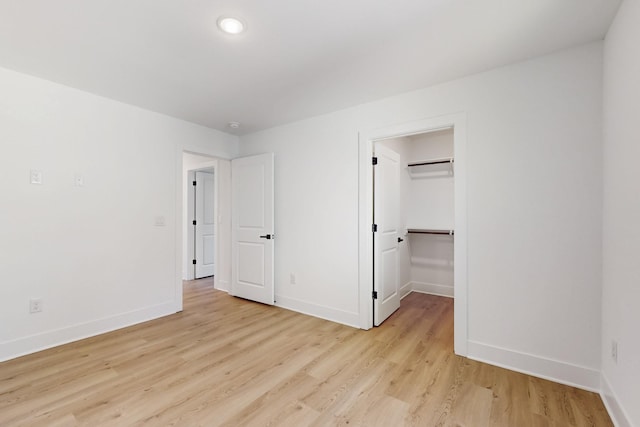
205	224
252	228
386	210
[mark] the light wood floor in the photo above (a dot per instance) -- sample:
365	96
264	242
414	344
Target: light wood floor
226	361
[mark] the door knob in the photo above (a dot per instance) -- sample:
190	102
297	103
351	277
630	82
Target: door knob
266	236
400	239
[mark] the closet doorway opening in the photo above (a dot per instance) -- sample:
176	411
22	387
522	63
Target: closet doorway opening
413	213
413	201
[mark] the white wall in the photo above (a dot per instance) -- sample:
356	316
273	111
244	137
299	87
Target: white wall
431	205
223	231
431	187
316	213
621	215
92	253
534	208
431	145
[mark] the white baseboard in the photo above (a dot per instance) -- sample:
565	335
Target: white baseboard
42	341
406	289
433	289
339	316
616	412
221	285
549	369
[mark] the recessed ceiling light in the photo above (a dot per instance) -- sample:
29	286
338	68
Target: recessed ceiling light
230	25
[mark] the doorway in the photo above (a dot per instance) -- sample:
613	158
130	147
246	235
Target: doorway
215	179
457	234
413	213
197	167
253	175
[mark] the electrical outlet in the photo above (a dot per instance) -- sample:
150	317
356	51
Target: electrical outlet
35	305
614	351
292	278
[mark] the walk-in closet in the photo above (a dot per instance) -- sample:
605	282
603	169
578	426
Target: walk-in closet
414	208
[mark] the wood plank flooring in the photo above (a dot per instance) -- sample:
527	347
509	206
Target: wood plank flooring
229	362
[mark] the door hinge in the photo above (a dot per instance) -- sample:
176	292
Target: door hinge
194	183
194	222
194	262
374	294
374	227
374	161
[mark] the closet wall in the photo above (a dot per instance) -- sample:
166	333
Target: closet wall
430	206
427	203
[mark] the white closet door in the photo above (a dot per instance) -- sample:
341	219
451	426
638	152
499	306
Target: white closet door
205	225
386	209
252	228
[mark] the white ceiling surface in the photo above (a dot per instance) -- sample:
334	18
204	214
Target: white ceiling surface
299	58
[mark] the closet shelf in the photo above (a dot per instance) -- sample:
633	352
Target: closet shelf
429	231
431	162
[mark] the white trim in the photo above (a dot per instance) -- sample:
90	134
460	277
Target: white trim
433	289
38	342
323	312
190	273
365	214
426	288
617	413
537	366
406	289
221	285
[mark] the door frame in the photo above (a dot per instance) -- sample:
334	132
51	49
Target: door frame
180	188
204	167
365	204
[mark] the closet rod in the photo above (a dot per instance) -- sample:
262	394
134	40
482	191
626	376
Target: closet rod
432	162
426	231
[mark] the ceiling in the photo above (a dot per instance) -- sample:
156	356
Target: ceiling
298	58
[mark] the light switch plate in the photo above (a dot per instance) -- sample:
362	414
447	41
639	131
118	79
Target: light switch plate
36	177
